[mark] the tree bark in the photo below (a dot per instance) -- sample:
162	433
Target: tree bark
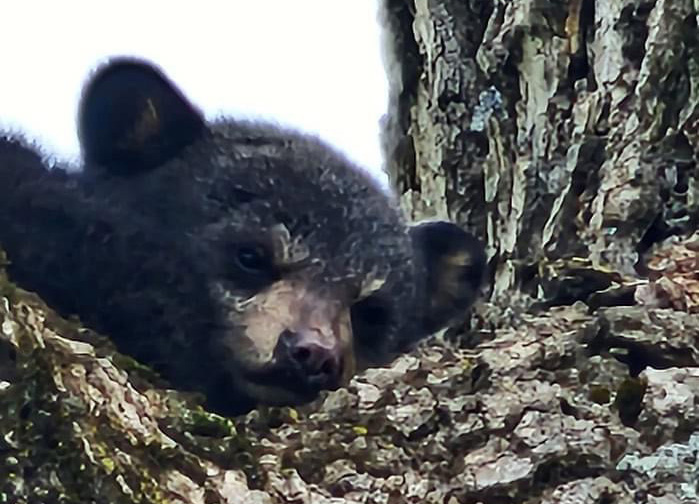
554	129
564	135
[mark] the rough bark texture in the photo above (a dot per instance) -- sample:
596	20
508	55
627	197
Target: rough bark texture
565	135
554	129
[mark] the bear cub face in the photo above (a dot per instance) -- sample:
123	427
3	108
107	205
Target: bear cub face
246	261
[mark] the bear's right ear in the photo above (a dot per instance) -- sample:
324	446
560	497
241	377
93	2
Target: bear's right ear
132	118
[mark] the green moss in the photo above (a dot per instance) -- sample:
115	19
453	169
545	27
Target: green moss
132	366
205	423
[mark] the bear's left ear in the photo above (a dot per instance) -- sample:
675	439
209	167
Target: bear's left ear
132	118
453	262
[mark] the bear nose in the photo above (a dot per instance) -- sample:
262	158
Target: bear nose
317	360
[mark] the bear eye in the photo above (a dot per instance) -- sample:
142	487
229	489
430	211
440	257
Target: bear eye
253	259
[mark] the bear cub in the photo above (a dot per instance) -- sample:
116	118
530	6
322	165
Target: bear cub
242	260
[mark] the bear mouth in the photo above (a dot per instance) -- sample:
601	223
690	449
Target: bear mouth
292	381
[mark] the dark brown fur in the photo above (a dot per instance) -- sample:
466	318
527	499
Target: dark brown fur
149	243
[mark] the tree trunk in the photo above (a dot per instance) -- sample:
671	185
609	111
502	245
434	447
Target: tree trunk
564	135
555	130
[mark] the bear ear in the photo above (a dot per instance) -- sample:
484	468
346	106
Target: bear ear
454	263
132	118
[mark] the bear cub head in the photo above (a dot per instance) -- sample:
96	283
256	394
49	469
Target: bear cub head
244	260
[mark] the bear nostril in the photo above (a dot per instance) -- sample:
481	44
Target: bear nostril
316	360
301	355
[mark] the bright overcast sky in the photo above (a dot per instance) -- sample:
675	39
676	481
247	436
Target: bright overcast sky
313	64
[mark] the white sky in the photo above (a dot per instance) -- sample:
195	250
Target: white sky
313	64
